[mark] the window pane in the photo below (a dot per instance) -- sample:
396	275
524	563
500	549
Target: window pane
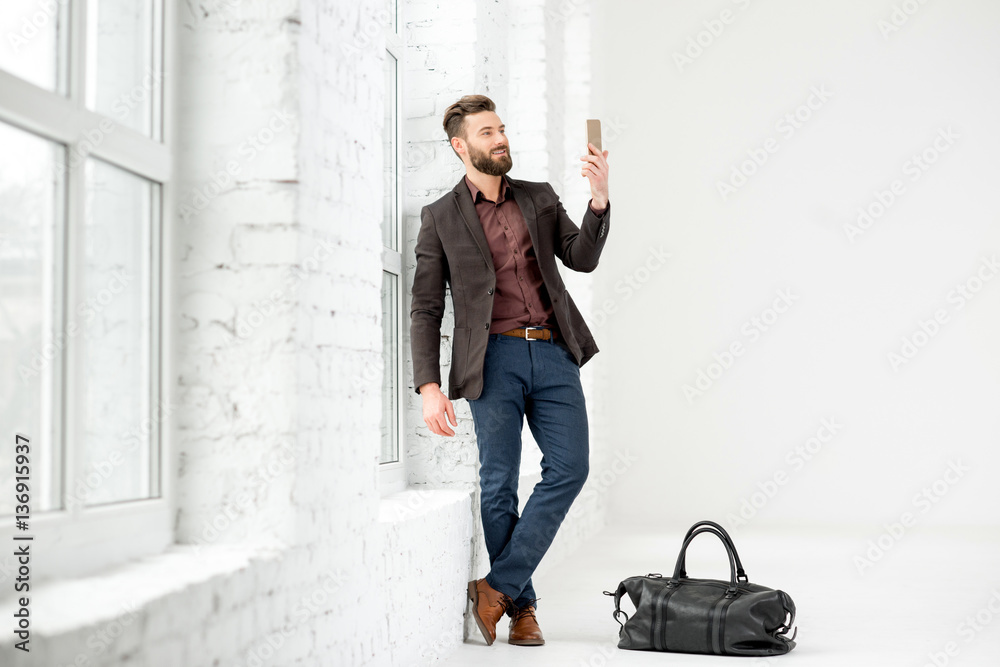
118	426
120	77
31	207
390	358
33	33
389	156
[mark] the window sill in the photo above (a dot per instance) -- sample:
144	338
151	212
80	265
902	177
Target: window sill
123	592
415	502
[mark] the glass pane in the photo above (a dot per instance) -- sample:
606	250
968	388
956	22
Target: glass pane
389	156
120	76
390	366
31	207
33	34
118	427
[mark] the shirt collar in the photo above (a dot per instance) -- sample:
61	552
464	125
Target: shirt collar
474	191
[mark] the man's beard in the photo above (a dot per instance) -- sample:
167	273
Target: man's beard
486	163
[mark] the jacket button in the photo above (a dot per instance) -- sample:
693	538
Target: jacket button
490	291
486	326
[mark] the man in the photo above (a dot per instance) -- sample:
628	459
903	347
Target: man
517	347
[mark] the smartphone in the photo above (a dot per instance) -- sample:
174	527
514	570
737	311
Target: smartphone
594	133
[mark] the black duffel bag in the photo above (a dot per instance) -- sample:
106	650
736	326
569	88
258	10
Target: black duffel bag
712	616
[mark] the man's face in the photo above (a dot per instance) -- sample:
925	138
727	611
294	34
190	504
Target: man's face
487	144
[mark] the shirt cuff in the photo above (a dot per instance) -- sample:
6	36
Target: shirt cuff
600	212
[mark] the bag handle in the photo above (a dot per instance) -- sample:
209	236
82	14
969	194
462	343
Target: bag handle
741	575
675	580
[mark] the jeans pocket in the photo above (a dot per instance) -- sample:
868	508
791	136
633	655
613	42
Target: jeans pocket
567	352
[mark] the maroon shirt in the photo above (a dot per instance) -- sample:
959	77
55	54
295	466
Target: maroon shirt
520	298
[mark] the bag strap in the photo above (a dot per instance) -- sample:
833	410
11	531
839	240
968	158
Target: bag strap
618	598
782	630
675	580
741	574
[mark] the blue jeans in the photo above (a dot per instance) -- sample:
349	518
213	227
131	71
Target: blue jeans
541	380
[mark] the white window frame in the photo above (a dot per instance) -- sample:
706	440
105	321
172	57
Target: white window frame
77	541
392	476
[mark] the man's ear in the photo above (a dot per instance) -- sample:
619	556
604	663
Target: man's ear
456	143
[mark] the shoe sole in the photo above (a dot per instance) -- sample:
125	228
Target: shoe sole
474	596
527	642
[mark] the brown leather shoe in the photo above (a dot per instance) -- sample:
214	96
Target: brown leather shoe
488	606
524	630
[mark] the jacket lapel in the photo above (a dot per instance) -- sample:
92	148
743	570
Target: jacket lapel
463	199
527	206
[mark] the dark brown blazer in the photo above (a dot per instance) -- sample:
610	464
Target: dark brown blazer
452	248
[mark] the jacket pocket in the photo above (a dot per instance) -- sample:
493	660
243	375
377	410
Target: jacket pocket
459	355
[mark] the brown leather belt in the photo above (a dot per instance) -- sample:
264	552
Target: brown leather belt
532	333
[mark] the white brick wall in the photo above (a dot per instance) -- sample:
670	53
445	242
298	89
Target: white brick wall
286	553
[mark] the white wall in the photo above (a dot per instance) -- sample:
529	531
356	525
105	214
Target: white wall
891	78
286	551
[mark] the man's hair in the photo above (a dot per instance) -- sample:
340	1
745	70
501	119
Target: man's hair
454	116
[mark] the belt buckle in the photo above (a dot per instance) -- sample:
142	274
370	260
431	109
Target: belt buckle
526	333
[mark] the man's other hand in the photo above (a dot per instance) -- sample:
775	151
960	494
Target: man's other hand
436	405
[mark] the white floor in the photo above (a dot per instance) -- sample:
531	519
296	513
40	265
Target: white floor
929	595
